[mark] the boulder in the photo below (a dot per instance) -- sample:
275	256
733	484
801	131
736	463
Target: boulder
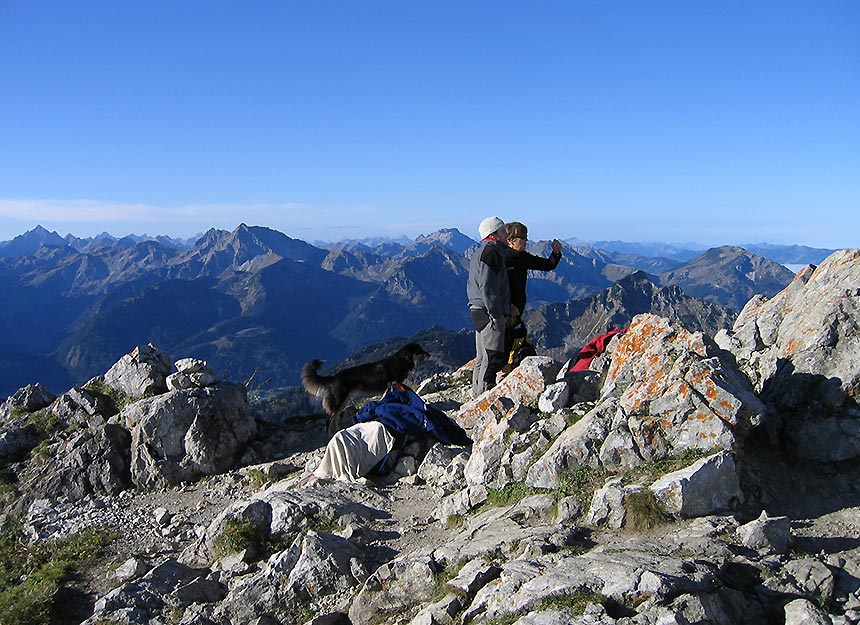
170	585
801	349
491	436
767	534
29	398
554	397
678	388
395	588
803	612
706	487
523	385
183	435
140	373
191	373
443	466
91	461
17	438
665	390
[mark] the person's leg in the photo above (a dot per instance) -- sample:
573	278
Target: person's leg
493	342
480	366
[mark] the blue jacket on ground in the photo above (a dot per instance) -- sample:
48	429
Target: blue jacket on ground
404	412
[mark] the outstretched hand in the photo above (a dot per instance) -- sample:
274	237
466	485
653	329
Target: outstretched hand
556	246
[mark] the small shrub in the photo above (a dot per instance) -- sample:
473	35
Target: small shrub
323	524
643	511
508	495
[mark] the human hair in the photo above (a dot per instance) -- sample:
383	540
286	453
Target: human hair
517	230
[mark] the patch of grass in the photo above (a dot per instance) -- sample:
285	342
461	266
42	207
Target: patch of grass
238	536
582	482
643	511
508	495
441	579
45	421
31	574
571	418
576	601
116	399
505	619
653	469
323	524
257	479
17	411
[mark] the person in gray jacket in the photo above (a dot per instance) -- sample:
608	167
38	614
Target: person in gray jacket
489	303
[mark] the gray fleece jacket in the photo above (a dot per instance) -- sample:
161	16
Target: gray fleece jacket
487	286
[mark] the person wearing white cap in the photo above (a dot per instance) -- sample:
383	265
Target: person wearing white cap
489	303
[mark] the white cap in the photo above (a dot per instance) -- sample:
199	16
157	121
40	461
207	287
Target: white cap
489	226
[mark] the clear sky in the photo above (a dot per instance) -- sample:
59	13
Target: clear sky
644	120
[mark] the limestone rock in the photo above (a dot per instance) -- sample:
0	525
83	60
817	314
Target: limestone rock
803	612
92	461
29	398
665	390
554	397
523	385
577	446
490	435
141	372
394	588
182	435
443	466
678	386
191	373
767	534
801	349
706	487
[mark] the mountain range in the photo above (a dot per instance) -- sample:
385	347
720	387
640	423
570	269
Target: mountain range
256	300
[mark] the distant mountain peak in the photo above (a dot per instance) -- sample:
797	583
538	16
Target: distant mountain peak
30	242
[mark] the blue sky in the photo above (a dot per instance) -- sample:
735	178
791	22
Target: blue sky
672	120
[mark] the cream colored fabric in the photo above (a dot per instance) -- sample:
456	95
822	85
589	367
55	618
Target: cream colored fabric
353	452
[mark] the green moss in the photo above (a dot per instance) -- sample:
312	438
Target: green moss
31	574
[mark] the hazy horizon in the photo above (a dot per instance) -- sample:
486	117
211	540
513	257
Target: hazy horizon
681	245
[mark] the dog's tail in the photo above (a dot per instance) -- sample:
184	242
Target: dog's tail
314	383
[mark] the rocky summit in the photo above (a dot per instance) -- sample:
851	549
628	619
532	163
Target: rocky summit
682	478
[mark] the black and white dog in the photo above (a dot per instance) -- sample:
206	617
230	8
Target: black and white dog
371	378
